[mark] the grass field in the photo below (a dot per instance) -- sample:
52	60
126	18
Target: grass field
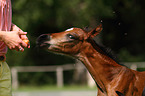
55	91
54	88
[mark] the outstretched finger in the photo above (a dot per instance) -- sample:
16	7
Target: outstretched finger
22	33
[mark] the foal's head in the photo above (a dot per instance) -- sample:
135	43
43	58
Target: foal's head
68	42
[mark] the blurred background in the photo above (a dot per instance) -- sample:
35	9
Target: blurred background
123	32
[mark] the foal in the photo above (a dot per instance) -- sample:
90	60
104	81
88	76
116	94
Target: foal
112	79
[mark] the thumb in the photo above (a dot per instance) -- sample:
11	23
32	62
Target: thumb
22	33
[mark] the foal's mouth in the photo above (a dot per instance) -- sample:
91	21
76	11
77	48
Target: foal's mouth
43	44
43	41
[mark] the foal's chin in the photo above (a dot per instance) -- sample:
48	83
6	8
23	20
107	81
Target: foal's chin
44	46
55	52
59	52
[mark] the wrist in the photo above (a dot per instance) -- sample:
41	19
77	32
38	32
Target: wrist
2	35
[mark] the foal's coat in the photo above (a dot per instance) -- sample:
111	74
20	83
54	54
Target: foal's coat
112	79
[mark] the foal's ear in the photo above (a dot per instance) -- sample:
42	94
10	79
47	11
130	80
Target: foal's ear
95	31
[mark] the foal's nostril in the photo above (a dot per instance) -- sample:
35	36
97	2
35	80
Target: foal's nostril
42	38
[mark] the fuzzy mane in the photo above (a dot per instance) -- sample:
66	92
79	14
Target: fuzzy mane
106	51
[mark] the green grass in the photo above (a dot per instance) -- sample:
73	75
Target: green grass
54	88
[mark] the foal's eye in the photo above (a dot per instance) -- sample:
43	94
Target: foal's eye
71	36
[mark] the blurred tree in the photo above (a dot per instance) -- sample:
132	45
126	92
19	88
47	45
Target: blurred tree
45	16
126	29
123	23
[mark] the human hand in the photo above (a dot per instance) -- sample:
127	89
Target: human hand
22	36
13	41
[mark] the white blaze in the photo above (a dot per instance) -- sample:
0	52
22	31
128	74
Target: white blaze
70	29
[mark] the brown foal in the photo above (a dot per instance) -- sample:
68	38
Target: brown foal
112	79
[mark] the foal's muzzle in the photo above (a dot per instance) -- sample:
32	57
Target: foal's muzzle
42	40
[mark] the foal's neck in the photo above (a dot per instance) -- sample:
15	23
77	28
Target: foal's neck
102	68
